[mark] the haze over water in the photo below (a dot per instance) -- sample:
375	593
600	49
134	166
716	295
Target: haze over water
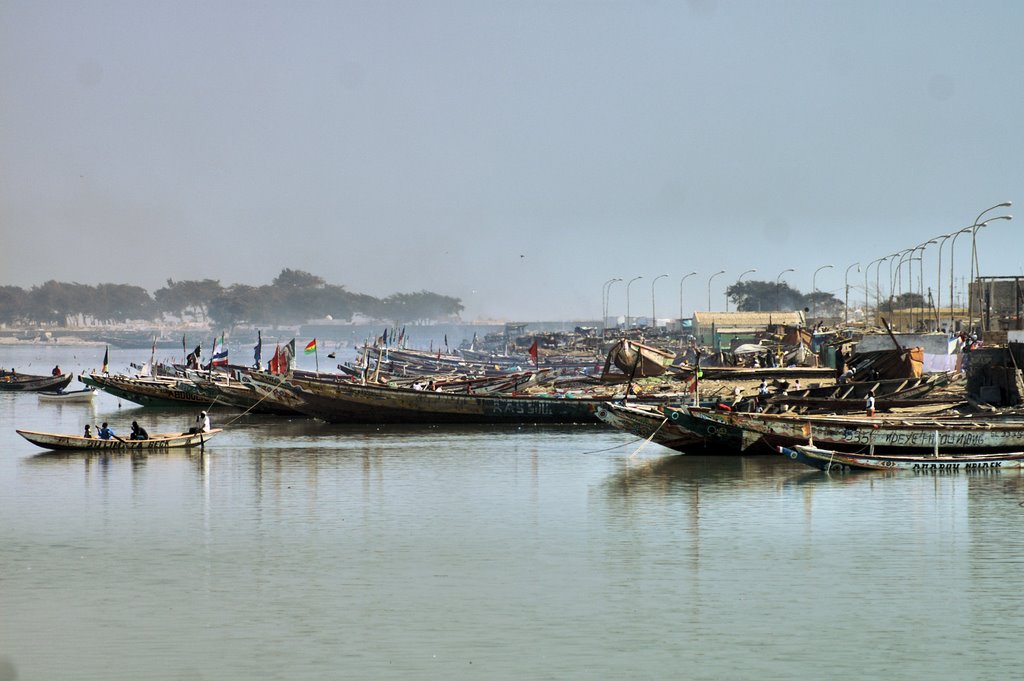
292	549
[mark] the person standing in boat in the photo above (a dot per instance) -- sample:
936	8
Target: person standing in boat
869	403
56	371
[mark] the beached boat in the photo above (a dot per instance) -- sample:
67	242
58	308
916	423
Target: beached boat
155	442
847	433
83	395
11	381
650	423
831	460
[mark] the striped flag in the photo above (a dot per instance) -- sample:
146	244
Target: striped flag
106	359
310	347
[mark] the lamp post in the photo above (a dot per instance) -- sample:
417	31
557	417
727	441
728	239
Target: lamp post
814	289
920	278
627	301
654	319
975	270
709	286
777	279
606	292
892	281
737	283
685	277
867	303
846	297
938	283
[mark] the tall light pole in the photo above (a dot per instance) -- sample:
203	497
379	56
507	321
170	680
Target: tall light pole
737	283
892	281
627	301
709	286
814	289
974	254
938	283
654	319
777	280
846	298
920	278
685	277
606	291
867	303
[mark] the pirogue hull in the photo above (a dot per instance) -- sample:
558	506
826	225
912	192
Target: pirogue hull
833	461
155	442
29	383
648	422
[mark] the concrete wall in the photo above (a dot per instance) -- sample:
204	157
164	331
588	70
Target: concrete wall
933	343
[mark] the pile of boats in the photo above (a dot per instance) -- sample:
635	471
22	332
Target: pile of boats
923	421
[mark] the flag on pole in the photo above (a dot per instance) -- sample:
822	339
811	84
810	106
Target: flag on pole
275	362
220	352
106	359
184	349
258	350
311	349
533	352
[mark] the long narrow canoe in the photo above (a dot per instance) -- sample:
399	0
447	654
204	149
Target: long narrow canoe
12	382
650	423
155	442
830	460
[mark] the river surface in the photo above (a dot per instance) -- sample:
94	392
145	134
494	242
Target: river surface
292	549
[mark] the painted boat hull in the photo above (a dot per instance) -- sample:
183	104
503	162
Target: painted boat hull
648	422
885	435
150	392
30	383
155	442
833	461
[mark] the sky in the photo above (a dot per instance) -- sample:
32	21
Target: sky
516	155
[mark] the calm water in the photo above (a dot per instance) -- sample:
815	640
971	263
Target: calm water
292	549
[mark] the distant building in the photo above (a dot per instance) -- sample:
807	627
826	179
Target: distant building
998	302
719	328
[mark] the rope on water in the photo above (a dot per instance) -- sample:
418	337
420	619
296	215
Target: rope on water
663	422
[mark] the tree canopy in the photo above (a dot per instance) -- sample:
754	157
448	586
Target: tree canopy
293	297
767	296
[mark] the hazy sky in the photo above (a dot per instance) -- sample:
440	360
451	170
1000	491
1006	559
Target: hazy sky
514	154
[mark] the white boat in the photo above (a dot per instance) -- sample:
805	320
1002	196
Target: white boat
155	442
84	395
830	460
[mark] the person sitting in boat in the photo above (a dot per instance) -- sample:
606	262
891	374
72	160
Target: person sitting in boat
88	432
869	403
138	432
104	432
56	371
202	424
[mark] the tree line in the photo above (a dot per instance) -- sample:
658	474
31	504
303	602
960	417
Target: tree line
293	297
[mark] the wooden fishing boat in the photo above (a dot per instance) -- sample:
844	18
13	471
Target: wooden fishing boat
650	423
349	402
834	461
11	381
150	391
83	395
637	360
155	442
850	433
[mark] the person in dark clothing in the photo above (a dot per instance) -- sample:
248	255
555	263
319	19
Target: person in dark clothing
138	432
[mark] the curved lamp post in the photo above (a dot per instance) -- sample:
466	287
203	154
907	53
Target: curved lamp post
846	297
654	320
627	301
938	283
975	270
606	292
681	298
737	283
920	278
867	303
777	280
709	286
814	289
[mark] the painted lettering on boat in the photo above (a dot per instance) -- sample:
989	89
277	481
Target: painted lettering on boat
927	438
974	465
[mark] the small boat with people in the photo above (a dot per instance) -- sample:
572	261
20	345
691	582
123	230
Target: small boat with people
830	460
14	381
155	441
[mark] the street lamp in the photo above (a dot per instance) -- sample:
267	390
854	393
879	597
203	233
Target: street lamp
846	297
681	299
737	283
920	278
974	254
867	303
709	286
606	292
654	322
814	289
627	301
777	279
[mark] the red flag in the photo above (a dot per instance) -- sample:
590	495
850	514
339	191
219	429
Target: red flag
533	351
